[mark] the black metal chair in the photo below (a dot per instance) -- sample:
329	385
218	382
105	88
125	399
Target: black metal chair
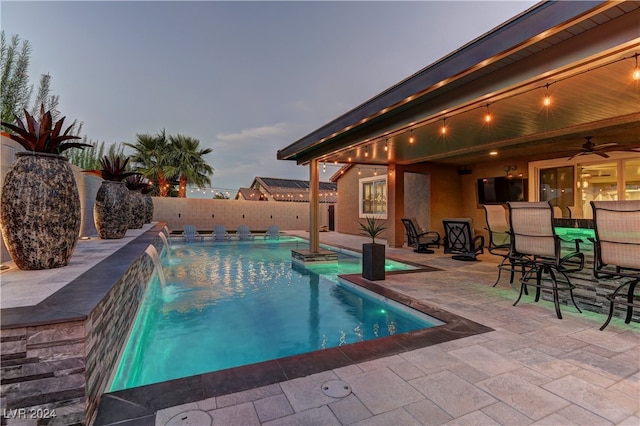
500	240
536	243
459	239
617	251
420	240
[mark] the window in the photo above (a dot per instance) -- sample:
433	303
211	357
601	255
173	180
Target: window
372	194
556	186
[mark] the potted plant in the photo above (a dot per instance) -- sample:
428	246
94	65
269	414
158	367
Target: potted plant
40	204
111	211
135	183
373	255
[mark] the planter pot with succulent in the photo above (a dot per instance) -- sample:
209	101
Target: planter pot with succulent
40	205
148	201
111	211
373	255
138	207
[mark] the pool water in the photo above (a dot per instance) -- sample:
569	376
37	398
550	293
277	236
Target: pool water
236	303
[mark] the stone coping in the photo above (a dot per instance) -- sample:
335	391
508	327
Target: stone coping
80	296
139	405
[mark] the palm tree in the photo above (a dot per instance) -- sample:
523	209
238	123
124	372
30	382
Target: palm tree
153	159
188	163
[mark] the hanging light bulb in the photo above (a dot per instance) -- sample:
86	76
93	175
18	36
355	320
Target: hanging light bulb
443	129
349	159
359	172
375	172
366	151
411	138
324	167
386	145
547	98
487	116
636	70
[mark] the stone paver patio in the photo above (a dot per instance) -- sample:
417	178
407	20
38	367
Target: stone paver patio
532	369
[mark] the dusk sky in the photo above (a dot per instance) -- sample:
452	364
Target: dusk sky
245	78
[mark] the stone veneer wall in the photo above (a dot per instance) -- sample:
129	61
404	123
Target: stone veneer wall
66	367
108	325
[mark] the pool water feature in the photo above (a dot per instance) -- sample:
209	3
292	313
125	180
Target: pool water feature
236	303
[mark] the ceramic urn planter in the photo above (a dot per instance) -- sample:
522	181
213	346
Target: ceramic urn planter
138	210
40	211
111	211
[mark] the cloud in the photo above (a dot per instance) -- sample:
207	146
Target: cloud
263	132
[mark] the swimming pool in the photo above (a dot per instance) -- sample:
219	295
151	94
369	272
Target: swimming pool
230	304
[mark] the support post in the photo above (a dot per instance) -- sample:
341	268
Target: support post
314	201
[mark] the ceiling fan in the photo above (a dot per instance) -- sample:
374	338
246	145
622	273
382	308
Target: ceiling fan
588	147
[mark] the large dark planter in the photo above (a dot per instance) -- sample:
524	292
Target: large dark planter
111	210
138	210
148	201
373	261
40	211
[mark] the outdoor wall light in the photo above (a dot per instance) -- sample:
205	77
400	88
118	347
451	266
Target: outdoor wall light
547	98
487	116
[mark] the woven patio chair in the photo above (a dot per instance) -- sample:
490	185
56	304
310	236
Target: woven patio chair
617	251
500	240
534	238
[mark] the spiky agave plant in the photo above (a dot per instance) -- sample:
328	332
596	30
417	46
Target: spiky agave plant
114	168
42	136
371	228
136	182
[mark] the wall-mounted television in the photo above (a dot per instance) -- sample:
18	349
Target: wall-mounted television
498	190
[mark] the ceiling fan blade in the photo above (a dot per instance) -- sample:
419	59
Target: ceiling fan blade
574	155
601	154
606	145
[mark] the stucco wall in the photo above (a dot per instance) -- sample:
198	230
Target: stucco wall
258	215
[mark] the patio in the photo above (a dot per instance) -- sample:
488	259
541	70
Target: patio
532	369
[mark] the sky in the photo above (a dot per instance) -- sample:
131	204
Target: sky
244	78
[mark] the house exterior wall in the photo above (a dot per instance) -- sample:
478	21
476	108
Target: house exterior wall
347	215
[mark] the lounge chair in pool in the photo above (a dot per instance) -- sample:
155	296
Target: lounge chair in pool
459	239
534	238
243	233
617	252
191	234
220	233
272	232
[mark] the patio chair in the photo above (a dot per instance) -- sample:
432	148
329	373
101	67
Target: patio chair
575	212
500	239
420	240
220	233
617	251
459	239
243	233
272	232
190	234
534	238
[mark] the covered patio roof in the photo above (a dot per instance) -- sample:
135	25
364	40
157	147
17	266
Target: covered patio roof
581	55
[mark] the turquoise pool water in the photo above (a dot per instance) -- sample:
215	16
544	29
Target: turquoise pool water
236	303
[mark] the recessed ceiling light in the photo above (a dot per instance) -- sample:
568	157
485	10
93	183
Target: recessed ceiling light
493	153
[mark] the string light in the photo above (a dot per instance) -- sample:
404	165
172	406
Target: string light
366	151
375	172
487	116
324	167
547	98
386	145
359	172
411	138
443	129
636	71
